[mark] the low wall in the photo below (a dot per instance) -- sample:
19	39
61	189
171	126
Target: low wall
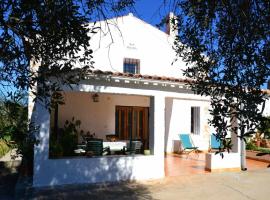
100	169
230	162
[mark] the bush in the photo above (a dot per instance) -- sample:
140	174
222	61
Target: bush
264	127
4	148
251	146
64	142
263	150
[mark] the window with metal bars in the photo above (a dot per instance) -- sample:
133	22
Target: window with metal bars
195	120
131	66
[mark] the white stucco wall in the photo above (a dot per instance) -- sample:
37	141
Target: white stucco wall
130	37
230	160
97	117
95	170
178	120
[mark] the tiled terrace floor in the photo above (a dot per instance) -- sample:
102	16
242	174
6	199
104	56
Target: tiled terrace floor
177	165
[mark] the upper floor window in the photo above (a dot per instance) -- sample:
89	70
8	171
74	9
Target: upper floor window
131	66
195	120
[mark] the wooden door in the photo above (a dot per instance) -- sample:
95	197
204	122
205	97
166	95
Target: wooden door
132	123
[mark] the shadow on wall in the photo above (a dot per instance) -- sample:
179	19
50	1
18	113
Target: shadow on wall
129	191
82	170
75	170
52	172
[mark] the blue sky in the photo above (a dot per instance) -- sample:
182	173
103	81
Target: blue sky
150	11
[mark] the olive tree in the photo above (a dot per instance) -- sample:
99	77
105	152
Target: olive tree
45	44
48	34
226	45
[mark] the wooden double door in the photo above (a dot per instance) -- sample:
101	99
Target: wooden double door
132	123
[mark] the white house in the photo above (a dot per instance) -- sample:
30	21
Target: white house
140	91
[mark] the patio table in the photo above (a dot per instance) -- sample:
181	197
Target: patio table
115	146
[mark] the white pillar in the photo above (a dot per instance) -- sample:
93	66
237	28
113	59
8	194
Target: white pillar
157	125
41	119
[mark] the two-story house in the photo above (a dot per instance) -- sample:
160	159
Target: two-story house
137	91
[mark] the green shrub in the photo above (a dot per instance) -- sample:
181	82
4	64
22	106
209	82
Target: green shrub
263	150
251	146
265	127
64	142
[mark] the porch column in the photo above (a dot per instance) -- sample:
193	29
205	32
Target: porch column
157	125
41	120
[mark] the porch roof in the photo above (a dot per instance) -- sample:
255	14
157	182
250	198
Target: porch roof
181	82
139	76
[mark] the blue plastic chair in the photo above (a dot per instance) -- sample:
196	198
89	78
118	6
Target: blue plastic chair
187	145
215	144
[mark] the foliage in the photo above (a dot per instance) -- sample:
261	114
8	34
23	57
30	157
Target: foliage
251	146
265	127
14	126
4	148
65	143
52	36
226	45
263	150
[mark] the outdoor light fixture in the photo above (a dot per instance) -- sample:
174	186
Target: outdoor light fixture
95	97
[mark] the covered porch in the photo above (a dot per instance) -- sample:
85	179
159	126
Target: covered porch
161	111
101	119
117	122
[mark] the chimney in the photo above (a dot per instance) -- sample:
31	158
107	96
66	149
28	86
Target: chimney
171	25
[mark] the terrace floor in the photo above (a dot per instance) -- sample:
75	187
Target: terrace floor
178	165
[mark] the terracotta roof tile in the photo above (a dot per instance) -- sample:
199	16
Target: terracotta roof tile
139	76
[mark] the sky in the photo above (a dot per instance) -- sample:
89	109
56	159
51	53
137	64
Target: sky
150	11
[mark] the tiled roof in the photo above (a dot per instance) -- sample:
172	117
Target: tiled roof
147	77
140	76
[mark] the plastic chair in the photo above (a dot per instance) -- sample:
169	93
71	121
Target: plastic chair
215	143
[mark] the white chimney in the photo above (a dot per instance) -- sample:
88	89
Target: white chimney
171	25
